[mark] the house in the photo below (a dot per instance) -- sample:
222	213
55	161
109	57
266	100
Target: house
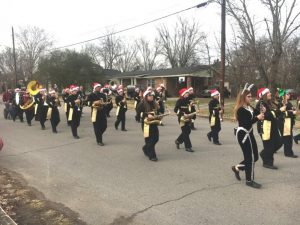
199	77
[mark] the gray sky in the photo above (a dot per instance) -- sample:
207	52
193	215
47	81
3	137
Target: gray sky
70	21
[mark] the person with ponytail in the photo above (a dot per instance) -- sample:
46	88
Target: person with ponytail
246	116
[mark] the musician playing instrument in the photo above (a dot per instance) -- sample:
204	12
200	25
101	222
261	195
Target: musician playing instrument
29	112
17	101
137	96
192	98
148	108
106	90
183	112
286	121
246	116
65	95
53	112
214	117
74	115
121	109
98	106
268	128
42	107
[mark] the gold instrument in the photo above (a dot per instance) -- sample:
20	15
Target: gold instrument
99	104
33	88
156	120
188	117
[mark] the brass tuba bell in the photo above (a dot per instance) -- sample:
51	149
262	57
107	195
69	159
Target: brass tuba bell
33	87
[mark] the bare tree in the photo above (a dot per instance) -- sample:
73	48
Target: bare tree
94	52
148	55
127	58
110	50
181	46
32	41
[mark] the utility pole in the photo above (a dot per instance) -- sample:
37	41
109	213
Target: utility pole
223	40
14	55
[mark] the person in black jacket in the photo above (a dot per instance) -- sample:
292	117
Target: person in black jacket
42	106
53	113
65	95
121	109
137	97
74	102
29	112
214	117
192	101
98	105
17	101
184	119
286	121
148	108
268	128
246	115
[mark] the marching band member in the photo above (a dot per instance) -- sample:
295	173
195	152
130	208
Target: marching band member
29	113
65	95
214	117
149	109
121	109
41	107
286	121
53	113
97	102
268	128
108	94
184	119
246	115
74	115
159	99
192	106
17	101
137	96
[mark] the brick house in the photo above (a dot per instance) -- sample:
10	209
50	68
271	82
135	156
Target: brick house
199	77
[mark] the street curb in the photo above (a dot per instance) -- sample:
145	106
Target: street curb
5	219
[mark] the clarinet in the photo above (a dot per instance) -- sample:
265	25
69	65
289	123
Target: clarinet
261	106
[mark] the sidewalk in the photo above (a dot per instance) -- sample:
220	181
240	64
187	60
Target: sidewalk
5	219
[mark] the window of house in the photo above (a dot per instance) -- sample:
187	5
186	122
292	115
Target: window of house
151	83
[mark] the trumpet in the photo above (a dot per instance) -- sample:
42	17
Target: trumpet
99	104
156	120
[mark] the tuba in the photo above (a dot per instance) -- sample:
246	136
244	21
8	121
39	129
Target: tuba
33	88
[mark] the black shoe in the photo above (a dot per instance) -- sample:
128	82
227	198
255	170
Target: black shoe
209	137
29	124
100	144
292	156
177	144
116	127
54	131
189	150
43	128
76	137
193	128
124	130
154	159
295	140
236	173
217	143
270	166
253	184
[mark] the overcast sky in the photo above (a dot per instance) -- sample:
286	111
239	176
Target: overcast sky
71	21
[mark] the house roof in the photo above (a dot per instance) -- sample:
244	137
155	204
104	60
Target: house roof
197	71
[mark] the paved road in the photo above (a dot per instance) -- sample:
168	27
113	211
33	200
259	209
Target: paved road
116	184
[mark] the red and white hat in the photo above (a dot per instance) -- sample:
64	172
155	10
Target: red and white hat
191	89
162	85
261	92
52	91
214	92
148	92
183	91
42	89
159	88
120	91
95	85
74	87
17	90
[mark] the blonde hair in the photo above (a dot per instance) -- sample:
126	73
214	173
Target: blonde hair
240	101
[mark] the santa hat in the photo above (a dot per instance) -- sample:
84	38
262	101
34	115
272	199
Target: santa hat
120	86
42	89
106	86
214	92
183	91
137	89
95	85
148	92
74	87
52	91
261	92
149	88
162	85
158	88
17	90
120	91
191	89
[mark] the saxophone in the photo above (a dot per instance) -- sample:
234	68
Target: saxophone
99	104
188	117
156	120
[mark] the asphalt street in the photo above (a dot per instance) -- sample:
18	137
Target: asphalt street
117	184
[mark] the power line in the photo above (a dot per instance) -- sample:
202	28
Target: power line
133	27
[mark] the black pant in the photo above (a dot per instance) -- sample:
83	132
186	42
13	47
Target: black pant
250	153
297	137
17	112
121	118
99	129
55	119
29	113
149	147
184	137
271	146
214	133
75	122
43	115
